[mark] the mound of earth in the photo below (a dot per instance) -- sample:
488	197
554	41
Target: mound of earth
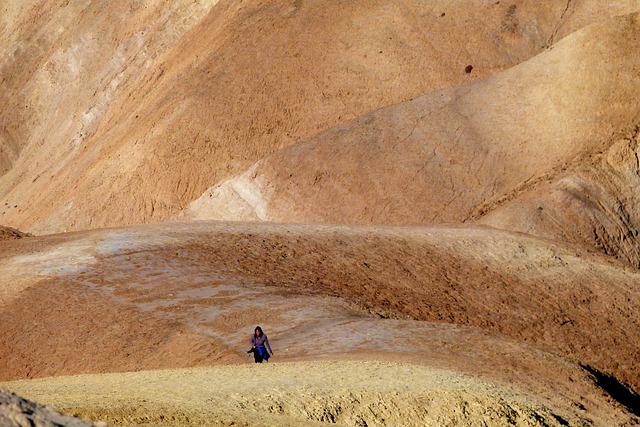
547	147
8	233
18	412
294	394
501	307
113	115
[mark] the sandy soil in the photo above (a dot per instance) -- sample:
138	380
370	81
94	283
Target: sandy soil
303	393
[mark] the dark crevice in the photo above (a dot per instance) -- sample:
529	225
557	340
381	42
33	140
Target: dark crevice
560	420
618	391
559	25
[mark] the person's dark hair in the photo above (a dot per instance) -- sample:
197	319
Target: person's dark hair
258	328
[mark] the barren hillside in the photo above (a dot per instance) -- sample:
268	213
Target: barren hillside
120	113
510	310
459	154
441	202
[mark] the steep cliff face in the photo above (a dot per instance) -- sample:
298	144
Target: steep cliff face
114	114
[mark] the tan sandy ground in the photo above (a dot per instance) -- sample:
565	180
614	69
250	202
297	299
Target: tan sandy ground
279	394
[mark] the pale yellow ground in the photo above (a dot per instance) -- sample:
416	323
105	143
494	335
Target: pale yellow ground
346	393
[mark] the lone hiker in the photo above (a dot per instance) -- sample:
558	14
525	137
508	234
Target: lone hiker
258	343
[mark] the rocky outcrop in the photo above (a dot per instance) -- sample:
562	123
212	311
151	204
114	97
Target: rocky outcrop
18	412
8	233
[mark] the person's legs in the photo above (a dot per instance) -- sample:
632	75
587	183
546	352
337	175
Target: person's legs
257	356
264	354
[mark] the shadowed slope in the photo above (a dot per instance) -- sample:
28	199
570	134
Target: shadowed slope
456	154
123	115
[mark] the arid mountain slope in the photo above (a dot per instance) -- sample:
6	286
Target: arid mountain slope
503	307
457	154
509	117
62	66
114	115
594	203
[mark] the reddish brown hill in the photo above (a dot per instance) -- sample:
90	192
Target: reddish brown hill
457	154
117	115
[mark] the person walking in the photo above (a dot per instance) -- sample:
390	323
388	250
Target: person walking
260	346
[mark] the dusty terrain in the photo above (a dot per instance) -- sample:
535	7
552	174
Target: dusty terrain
315	394
510	310
116	115
441	206
548	147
